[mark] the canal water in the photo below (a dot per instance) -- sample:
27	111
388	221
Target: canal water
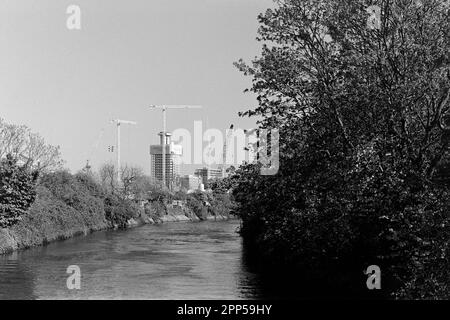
203	260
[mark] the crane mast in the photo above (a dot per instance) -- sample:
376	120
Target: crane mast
118	123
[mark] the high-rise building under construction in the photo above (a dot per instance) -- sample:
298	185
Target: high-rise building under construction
173	159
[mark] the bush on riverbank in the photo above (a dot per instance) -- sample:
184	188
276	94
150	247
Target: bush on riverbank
206	204
40	203
52	219
119	211
336	233
67	205
197	202
363	132
17	191
64	207
84	194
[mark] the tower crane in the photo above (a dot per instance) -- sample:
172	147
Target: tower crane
119	122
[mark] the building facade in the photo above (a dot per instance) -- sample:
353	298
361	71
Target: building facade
189	182
208	173
173	155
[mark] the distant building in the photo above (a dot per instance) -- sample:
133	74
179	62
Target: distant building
208	173
173	159
190	182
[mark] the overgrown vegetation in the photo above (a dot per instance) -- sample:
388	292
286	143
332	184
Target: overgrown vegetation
361	113
39	208
54	203
17	191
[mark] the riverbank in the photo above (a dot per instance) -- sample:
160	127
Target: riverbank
168	261
43	225
67	205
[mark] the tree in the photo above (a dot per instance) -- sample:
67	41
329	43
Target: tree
133	181
28	148
362	133
108	177
17	191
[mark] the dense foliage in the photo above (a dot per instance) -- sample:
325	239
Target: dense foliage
76	192
17	190
93	200
216	202
118	210
83	193
361	113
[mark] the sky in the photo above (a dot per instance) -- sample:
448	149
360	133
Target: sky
67	85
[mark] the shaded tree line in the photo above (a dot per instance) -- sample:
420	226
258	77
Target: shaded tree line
364	143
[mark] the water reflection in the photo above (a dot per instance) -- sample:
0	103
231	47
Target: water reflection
12	272
170	261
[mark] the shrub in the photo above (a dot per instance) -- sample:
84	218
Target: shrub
79	192
17	191
88	181
119	211
84	194
155	209
197	202
65	187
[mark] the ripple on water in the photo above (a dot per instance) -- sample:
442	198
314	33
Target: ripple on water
169	261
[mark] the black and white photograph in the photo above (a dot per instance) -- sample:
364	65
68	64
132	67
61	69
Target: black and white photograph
226	156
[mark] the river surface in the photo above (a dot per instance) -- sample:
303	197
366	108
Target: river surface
203	260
